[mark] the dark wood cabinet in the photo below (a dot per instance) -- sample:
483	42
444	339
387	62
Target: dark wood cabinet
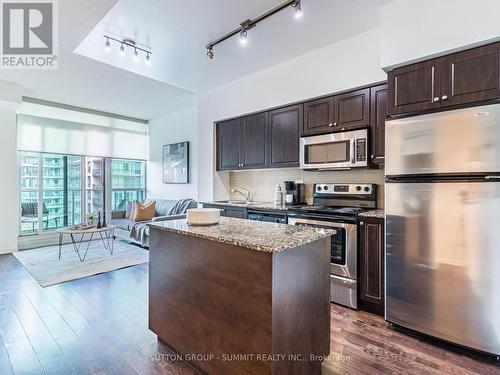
457	79
352	109
228	145
415	87
229	211
471	76
372	264
253	131
378	97
319	116
241	143
285	125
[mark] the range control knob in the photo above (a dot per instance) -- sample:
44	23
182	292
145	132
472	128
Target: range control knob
358	188
325	188
319	188
367	189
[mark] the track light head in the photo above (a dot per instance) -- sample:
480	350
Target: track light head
122	50
107	46
148	59
297	5
136	55
210	53
243	37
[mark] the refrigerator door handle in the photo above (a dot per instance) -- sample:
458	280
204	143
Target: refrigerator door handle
352	151
492	177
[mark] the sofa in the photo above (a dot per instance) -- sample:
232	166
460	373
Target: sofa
138	232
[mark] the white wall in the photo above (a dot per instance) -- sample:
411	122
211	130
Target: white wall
415	30
352	62
10	99
172	128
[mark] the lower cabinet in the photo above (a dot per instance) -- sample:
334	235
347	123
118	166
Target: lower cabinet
371	265
229	211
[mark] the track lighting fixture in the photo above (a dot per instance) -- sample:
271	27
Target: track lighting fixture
298	8
243	37
210	53
128	43
248	24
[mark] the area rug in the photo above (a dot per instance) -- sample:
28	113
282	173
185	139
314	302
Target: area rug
43	263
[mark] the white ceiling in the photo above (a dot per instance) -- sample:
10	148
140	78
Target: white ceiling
177	32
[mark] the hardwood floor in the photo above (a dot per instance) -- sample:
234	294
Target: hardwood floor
99	325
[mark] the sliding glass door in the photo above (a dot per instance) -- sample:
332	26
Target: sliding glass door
57	190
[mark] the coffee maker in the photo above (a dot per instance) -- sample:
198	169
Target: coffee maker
298	192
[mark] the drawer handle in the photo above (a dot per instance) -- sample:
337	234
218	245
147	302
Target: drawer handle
436	99
444	97
361	223
330	124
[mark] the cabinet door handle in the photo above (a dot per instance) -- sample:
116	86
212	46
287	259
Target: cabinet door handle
372	156
330	124
444	97
436	99
361	223
335	124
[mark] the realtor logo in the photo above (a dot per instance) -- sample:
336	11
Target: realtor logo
28	34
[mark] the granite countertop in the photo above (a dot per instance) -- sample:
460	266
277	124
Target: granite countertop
373	213
255	235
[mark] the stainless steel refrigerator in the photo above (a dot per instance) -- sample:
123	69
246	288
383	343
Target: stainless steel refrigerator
443	225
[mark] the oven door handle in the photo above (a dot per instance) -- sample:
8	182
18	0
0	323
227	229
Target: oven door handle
353	145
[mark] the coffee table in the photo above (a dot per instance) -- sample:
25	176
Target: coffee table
107	235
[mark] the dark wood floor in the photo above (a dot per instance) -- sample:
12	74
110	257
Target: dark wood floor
98	325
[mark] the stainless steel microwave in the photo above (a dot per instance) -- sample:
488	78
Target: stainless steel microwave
344	150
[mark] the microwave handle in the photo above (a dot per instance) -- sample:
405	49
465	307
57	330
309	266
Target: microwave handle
353	145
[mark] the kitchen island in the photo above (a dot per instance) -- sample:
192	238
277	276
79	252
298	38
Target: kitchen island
241	296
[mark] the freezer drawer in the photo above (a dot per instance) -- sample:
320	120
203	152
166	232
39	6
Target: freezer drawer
457	142
443	260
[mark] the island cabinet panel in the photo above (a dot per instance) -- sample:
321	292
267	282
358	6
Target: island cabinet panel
372	264
228	145
285	125
219	300
352	109
471	76
415	87
319	116
378	95
253	134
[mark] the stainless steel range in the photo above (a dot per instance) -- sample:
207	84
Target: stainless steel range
336	207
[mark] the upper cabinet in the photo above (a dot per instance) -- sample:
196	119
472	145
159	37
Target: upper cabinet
456	79
352	109
337	113
378	96
415	88
264	140
271	139
284	135
228	145
319	116
471	76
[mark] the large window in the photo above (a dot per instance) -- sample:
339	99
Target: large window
128	182
61	190
50	191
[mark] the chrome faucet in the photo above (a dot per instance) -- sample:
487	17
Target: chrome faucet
245	193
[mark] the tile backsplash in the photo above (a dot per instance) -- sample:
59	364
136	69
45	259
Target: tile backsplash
261	183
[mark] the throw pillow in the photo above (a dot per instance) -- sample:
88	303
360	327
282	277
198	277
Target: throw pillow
143	212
